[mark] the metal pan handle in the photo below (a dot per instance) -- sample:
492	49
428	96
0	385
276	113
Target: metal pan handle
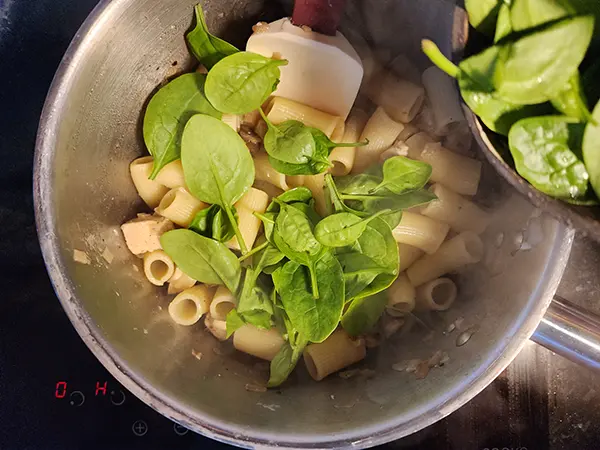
571	332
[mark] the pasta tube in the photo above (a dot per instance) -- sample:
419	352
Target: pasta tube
158	267
265	172
171	175
381	131
336	352
280	109
151	191
445	104
461	250
180	207
343	157
421	232
455	210
401	297
459	173
263	344
218	328
253	201
408	255
179	282
436	295
401	99
222	303
190	305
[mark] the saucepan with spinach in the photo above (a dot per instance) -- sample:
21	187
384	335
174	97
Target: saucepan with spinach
281	235
531	76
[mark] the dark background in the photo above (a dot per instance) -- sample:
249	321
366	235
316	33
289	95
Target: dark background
540	402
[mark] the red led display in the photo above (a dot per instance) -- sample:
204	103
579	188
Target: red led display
61	389
100	388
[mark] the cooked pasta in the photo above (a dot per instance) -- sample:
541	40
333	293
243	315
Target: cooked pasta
171	175
459	173
436	295
409	131
416	144
180	207
254	201
315	183
398	149
263	344
158	267
343	157
222	303
180	282
218	328
461	250
401	297
444	99
295	180
190	305
280	109
401	99
408	255
337	351
421	232
265	172
151	191
458	212
381	131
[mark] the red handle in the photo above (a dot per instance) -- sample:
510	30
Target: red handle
323	16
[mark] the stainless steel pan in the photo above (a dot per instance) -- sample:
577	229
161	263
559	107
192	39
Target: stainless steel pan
90	131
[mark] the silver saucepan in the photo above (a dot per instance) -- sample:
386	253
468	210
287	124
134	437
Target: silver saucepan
90	131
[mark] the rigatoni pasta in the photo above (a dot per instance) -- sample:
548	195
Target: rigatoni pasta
381	131
401	99
265	172
461	250
442	94
408	255
280	109
180	282
459	173
255	200
222	303
171	175
180	207
436	295
158	267
458	212
263	344
190	305
151	191
401	297
338	351
421	232
343	157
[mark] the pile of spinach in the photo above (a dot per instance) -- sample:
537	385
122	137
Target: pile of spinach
307	275
530	85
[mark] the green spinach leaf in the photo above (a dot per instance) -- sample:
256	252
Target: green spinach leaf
483	14
545	150
207	49
342	229
315	319
240	83
167	113
401	175
572	102
504	25
363	314
234	322
290	142
212	222
526	14
203	259
311	168
591	150
284	362
538	66
217	165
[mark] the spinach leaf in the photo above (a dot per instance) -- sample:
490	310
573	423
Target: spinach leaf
290	142
298	194
203	259
545	151
311	168
537	67
482	14
473	78
268	220
357	184
526	14
363	314
213	222
504	25
233	322
571	101
342	229
591	150
325	145
401	175
293	236
315	319
217	165
167	113
309	211
207	49
373	256
284	362
240	83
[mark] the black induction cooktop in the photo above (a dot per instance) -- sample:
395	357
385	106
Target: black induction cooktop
53	392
